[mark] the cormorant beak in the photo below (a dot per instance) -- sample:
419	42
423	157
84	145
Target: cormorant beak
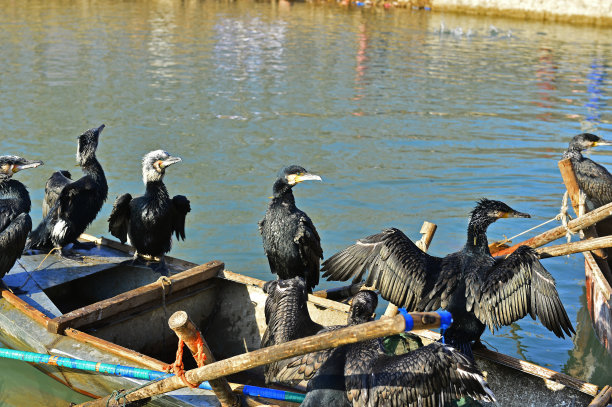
28	164
515	214
169	161
99	129
297	178
602	142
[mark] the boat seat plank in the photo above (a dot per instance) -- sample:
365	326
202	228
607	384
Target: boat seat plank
105	309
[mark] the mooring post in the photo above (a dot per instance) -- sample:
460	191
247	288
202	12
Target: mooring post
186	330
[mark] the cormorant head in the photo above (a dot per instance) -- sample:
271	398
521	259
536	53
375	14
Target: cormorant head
154	165
295	286
363	305
488	211
10	164
290	176
87	144
584	141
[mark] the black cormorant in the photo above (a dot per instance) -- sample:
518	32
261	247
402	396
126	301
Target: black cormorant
363	373
150	220
477	289
15	221
70	206
287	318
290	239
593	179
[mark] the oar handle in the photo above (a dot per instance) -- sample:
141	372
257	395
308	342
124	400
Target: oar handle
249	360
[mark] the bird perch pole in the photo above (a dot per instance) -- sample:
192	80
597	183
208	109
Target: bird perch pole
427	230
369	330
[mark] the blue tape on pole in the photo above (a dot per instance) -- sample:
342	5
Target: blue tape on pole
446	319
407	318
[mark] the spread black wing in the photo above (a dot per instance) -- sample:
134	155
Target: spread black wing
53	188
428	376
520	285
119	219
309	246
180	209
401	271
12	238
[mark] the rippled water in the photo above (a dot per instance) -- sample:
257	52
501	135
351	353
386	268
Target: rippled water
407	115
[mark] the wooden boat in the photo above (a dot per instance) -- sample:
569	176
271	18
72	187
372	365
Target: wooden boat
597	266
103	308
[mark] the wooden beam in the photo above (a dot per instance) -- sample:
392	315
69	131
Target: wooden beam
575	247
558	232
239	363
26	308
602	398
129	300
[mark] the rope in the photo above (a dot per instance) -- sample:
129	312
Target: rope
178	368
163	280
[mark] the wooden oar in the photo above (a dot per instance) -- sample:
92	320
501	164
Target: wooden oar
370	330
575	247
553	234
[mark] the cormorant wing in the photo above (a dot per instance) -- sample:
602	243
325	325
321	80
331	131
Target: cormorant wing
595	181
520	285
180	208
53	187
119	218
12	239
428	376
298	368
401	271
309	244
70	191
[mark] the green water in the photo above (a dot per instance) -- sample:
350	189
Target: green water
407	115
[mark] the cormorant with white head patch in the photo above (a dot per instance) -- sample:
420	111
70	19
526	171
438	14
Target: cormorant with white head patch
15	205
290	239
70	206
150	220
477	289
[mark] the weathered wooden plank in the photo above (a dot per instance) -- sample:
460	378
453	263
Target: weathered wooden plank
134	298
584	245
602	397
21	305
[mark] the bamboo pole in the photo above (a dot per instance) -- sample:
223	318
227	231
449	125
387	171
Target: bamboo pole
186	330
427	230
326	340
575	247
556	233
602	397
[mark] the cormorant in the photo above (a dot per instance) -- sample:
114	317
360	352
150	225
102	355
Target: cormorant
477	289
150	220
593	179
363	373
290	239
15	221
70	206
287	318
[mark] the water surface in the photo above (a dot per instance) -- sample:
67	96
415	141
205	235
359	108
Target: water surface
407	115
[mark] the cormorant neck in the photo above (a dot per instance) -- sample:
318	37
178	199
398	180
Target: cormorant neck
282	192
156	188
11	189
573	152
93	168
477	232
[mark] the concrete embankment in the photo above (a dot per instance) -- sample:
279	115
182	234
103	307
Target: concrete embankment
593	12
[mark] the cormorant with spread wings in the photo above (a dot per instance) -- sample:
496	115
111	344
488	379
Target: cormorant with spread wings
477	289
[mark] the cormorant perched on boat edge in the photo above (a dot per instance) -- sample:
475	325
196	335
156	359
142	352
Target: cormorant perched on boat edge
290	239
477	289
593	179
150	220
15	205
70	206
